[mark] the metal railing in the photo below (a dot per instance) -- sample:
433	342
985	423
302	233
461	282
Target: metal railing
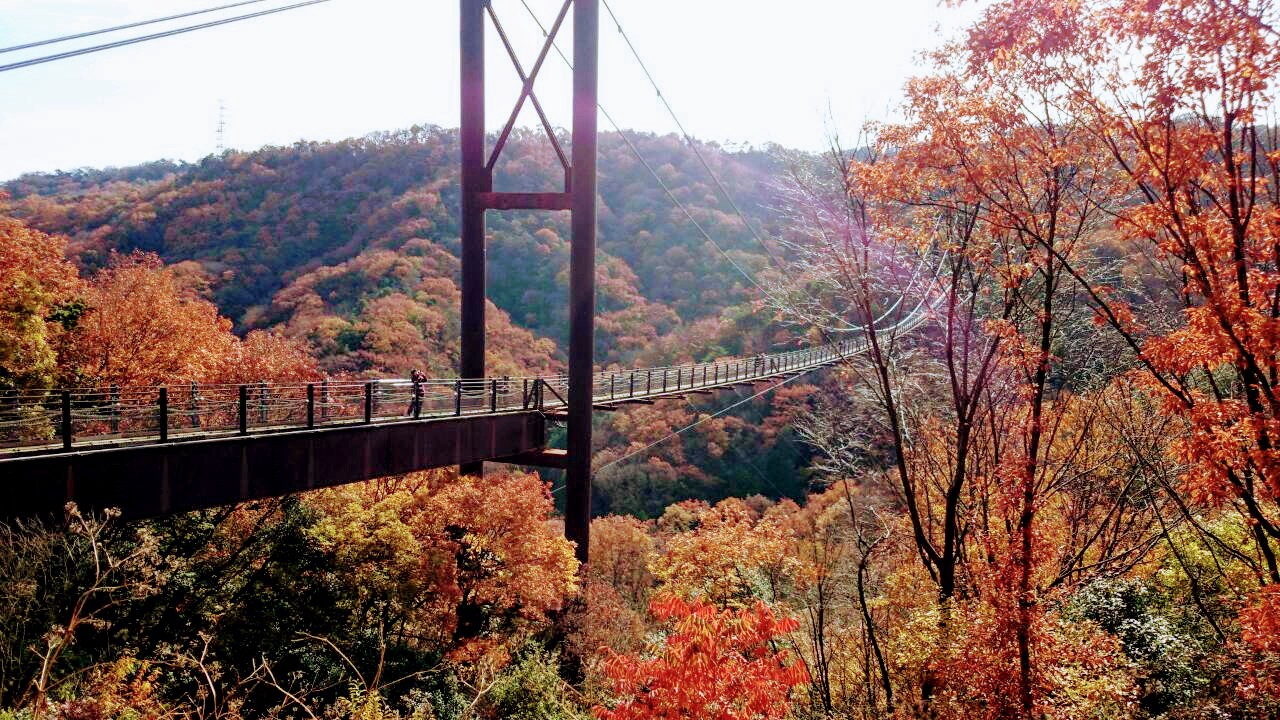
64	419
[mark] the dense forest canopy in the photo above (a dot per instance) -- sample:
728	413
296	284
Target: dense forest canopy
1057	497
273	229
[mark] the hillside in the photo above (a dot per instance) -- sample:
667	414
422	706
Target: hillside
329	239
353	247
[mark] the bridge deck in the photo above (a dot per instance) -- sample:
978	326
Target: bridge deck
153	451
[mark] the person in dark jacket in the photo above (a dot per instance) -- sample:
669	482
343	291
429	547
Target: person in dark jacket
415	401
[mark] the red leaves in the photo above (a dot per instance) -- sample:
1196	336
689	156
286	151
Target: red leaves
1260	635
713	664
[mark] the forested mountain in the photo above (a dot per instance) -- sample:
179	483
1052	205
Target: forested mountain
1047	487
300	236
352	247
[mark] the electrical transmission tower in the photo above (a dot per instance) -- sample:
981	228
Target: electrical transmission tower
222	126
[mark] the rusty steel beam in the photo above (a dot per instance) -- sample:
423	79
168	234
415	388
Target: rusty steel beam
548	458
525	200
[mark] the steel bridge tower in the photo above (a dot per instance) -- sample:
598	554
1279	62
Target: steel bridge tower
578	197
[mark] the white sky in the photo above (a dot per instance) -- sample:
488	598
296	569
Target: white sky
735	70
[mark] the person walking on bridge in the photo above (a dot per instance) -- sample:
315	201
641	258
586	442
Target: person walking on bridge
415	401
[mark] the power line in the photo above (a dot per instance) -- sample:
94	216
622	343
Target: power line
153	36
689	139
910	320
657	178
91	33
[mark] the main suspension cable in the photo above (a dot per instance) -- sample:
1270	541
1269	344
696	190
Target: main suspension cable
692	425
153	36
690	141
127	26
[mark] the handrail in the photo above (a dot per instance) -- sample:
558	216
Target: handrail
64	419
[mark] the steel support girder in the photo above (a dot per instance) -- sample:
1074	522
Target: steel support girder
582	269
476	180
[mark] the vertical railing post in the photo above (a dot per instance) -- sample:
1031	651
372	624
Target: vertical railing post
631	384
115	408
194	415
493	395
66	419
164	414
311	405
244	409
664	380
457	397
524	395
612	378
368	402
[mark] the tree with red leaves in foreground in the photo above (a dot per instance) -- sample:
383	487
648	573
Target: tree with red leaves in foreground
713	664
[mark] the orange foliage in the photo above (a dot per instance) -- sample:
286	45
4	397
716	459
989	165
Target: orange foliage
621	550
34	277
1260	633
456	553
713	664
729	558
266	355
141	329
144	325
1178	94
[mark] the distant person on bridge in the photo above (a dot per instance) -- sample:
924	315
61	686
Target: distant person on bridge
415	401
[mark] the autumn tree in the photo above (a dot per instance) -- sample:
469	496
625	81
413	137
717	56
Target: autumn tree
714	664
39	299
448	553
996	199
732	557
1180	96
139	329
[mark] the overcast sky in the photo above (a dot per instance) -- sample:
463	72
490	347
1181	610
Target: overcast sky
736	71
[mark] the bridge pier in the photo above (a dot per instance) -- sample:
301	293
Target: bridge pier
476	179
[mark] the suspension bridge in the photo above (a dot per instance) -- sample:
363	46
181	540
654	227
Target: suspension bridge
157	450
151	451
